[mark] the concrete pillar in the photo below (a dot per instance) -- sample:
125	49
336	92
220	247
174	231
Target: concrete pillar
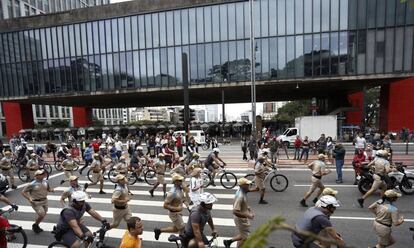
82	116
18	116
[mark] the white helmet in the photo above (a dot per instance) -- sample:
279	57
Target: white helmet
207	198
266	150
102	147
327	200
63	144
79	195
140	148
216	150
30	148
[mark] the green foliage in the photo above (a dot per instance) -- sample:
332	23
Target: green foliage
373	106
411	2
291	110
258	238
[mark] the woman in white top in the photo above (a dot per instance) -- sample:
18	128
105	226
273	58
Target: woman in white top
196	186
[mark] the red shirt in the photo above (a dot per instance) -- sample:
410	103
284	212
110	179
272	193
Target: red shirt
95	146
3	224
178	142
298	143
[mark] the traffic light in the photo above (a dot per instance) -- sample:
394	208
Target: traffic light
192	115
181	115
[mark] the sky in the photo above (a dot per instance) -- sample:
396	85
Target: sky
233	111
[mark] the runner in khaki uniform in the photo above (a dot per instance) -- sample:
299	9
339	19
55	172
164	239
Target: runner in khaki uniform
159	167
120	199
96	170
32	166
242	213
6	167
259	177
36	193
174	204
121	167
386	215
319	170
68	166
74	186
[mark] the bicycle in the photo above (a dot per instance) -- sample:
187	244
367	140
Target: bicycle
131	176
228	180
15	235
97	239
212	243
278	182
24	174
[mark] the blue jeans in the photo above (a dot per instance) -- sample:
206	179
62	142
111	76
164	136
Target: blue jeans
339	164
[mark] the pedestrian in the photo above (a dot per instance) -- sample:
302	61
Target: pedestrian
131	237
118	148
83	145
252	145
36	193
190	150
68	165
120	199
357	163
274	146
339	155
174	204
159	168
318	168
97	176
243	144
360	142
242	214
73	186
316	220
87	157
329	149
179	144
321	144
6	167
196	186
297	144
259	176
305	149
386	215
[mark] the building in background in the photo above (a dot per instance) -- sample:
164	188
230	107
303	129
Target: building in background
156	114
113	116
212	113
270	109
245	116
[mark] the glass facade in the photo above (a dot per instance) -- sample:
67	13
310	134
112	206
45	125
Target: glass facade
294	39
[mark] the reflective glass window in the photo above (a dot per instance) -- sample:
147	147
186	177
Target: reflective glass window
380	51
281	17
42	41
170	28
380	18
155	30
171	66
399	49
258	55
123	68
281	53
389	49
78	43
272	57
409	15
150	68
134	33
157	68
308	16
264	17
142	32
400	12
247	19
352	52
370	52
104	74
371	8
115	35
272	17
111	72
256	18
390	13
136	69
215	72
334	14
334	53
164	67
299	16
143	69
316	55
89	34
84	40
208	62
163	30
325	14
192	25
201	66
362	46
193	64
290	17
299	56
239	21
352	12
223	22
199	19
316	15
343	14
148	31
324	54
121	34
49	44
242	68
290	56
408	48
60	43
128	34
362	13
307	45
178	62
102	37
216	22
185	26
108	33
224	60
177	27
264	53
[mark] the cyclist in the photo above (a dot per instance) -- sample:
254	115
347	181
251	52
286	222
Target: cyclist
6	167
259	177
97	176
62	151
131	237
138	160
316	220
70	225
212	164
194	229
381	168
120	199
159	167
74	186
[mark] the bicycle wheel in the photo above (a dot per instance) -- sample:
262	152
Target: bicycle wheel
150	177
16	237
89	175
112	173
23	175
58	166
250	177
132	178
58	244
205	147
206	179
47	167
279	182
228	180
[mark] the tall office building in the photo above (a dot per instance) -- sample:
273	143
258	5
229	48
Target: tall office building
270	109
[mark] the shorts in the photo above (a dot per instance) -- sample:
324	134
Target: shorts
40	207
177	220
68	174
243	225
384	234
135	166
378	183
316	183
160	179
259	183
168	159
96	177
119	214
8	173
211	167
69	237
187	237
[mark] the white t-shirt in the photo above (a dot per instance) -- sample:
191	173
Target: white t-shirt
360	143
118	145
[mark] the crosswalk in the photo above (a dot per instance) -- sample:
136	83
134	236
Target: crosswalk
149	209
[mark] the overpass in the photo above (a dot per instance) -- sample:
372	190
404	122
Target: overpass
128	55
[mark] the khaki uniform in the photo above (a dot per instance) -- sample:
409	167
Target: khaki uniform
96	171
68	165
385	216
240	204
380	169
175	198
179	169
260	175
316	179
120	211
6	168
160	170
32	166
122	168
68	192
194	164
38	191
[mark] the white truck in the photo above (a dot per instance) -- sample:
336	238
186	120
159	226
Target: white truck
311	126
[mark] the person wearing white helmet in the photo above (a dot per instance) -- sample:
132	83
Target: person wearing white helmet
6	167
212	163
201	215
62	151
68	166
32	166
70	228
316	220
381	168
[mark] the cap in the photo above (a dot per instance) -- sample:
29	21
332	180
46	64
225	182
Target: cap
69	155
33	155
177	177
391	194
95	155
207	198
322	156
73	177
120	177
261	158
122	158
196	155
382	153
244	181
102	147
63	144
39	172
30	148
329	191
181	159
7	153
327	200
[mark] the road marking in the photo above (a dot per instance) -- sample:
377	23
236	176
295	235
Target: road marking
361	218
329	185
113	233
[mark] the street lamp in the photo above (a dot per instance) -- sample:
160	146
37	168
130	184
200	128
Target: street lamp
252	70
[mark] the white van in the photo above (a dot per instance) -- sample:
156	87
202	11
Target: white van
198	135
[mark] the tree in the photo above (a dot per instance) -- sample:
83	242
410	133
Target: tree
291	110
372	107
411	2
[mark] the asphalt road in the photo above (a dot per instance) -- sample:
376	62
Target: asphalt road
352	222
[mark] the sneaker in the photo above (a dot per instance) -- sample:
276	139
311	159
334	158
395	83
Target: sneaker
157	233
227	242
263	202
151	191
213	184
85	186
315	200
36	228
62	182
102	192
303	203
361	202
14	186
338	181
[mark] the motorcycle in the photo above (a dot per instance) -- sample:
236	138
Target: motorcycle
400	178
